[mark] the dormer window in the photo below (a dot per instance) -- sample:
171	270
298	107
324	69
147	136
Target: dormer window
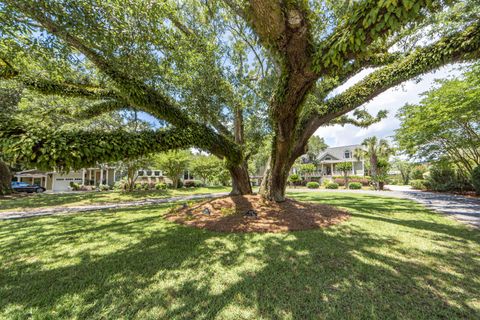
348	154
328	158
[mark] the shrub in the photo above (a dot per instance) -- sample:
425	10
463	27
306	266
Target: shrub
364	181
192	183
313	185
74	186
476	179
119	185
86	188
294	179
418	172
332	185
354	185
418	184
161	186
326	182
444	177
104	187
151	185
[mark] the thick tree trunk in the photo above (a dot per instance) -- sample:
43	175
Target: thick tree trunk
240	179
273	186
5	179
275	179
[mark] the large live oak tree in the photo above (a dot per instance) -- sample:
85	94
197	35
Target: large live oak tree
215	72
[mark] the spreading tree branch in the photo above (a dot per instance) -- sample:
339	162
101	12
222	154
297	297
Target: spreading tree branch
137	93
80	148
461	46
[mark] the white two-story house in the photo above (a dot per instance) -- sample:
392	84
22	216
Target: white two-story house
330	157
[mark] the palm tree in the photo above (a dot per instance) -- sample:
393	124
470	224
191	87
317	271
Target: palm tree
374	149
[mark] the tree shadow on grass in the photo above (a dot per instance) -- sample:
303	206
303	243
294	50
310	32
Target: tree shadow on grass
163	270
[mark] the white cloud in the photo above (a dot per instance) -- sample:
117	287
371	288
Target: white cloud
391	100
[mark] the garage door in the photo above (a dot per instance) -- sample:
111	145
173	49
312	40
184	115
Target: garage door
62	182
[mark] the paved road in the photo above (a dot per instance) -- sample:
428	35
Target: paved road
464	209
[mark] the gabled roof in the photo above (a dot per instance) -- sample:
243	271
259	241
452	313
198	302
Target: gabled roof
338	153
324	155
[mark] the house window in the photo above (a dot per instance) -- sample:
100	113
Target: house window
140	173
149	173
348	154
157	173
328	158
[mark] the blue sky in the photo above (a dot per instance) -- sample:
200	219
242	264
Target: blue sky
391	100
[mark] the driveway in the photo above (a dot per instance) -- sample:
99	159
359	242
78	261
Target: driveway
463	209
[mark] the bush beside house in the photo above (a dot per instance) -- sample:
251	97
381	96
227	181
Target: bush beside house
192	183
354	185
313	185
332	185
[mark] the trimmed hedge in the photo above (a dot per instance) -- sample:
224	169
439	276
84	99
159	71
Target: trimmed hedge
354	185
313	185
332	185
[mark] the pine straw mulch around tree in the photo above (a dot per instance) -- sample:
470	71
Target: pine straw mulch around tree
227	214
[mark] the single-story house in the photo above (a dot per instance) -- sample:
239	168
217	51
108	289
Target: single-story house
60	181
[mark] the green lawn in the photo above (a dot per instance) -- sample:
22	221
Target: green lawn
44	200
391	260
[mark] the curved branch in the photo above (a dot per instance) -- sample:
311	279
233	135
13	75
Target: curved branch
362	119
458	47
49	87
76	149
102	107
367	22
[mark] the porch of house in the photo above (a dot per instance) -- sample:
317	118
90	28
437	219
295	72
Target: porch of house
329	169
97	176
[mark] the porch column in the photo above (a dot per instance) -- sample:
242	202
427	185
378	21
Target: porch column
89	176
94	177
331	167
106	176
114	175
83	177
353	168
101	175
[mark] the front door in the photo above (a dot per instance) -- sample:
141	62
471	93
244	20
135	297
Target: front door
329	170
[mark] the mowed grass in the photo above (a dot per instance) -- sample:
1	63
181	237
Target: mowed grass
45	200
391	260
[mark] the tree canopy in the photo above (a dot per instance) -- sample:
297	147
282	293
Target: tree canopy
220	75
446	123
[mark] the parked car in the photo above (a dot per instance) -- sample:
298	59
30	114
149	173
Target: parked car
26	187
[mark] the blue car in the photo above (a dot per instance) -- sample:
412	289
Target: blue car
26	187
